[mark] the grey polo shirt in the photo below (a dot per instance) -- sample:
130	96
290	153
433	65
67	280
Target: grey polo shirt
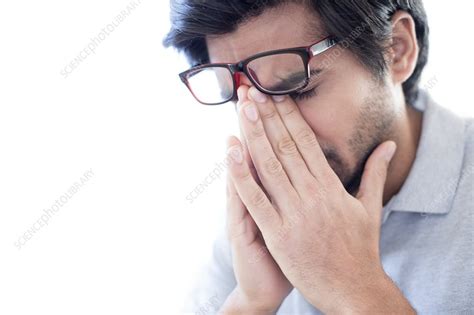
427	232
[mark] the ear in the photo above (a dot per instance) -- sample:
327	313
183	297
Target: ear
403	53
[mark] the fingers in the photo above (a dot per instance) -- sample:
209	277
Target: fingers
303	135
247	157
269	168
375	174
235	207
241	229
281	141
251	194
253	170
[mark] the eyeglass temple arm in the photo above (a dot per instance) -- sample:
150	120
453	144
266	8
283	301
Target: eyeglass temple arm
322	46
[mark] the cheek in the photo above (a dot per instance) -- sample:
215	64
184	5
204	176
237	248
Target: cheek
335	111
332	115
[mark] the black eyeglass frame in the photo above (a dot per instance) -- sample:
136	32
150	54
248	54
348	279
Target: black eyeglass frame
306	54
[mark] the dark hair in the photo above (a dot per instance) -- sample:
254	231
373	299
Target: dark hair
365	26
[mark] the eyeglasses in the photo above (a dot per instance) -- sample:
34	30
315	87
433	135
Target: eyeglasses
276	72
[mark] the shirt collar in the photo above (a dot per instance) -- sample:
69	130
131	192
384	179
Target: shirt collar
431	183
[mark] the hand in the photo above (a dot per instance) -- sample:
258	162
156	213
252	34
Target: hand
261	286
325	241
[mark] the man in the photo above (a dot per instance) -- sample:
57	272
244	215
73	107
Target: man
350	191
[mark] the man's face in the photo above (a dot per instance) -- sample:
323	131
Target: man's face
350	112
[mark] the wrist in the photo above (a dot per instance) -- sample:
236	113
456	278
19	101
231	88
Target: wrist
239	303
380	296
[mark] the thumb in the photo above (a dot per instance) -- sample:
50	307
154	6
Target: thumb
374	176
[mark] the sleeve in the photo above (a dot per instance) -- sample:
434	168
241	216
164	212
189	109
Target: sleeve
215	282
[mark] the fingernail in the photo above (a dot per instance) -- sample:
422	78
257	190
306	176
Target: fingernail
258	96
235	154
390	151
251	112
278	98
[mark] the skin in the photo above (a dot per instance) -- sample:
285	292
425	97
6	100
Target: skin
297	216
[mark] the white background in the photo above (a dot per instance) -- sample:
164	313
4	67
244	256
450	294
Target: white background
128	242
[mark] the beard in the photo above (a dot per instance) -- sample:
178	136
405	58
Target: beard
374	125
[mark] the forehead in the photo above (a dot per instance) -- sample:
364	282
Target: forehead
289	25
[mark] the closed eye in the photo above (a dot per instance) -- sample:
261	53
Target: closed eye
304	95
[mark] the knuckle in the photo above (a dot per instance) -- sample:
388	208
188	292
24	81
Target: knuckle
244	175
258	199
288	110
272	167
234	233
380	171
256	133
286	146
269	115
306	137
